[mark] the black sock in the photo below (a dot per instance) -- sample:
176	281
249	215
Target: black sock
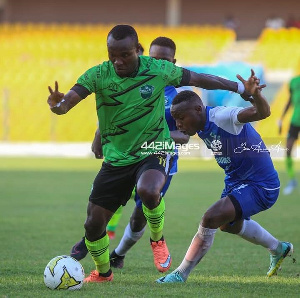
161	239
115	255
107	274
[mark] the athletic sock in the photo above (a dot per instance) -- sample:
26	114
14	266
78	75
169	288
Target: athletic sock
199	246
290	167
128	240
255	233
114	221
100	253
155	219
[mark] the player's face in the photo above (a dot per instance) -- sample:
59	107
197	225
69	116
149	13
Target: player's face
123	54
164	53
188	119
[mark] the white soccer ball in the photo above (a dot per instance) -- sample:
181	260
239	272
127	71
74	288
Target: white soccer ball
64	273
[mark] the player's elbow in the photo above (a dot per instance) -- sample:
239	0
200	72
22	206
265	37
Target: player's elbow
183	140
266	113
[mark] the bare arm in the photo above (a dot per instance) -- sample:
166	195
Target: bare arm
97	145
179	137
60	103
211	82
260	109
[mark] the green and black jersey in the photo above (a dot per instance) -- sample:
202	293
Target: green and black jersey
131	110
295	98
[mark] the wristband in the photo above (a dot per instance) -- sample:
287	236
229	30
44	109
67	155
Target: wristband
59	103
241	88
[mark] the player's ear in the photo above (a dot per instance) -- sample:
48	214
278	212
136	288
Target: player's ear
199	109
139	49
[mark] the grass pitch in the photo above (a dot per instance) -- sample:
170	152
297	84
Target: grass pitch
43	208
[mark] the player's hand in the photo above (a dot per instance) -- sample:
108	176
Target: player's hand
252	86
97	145
279	123
55	96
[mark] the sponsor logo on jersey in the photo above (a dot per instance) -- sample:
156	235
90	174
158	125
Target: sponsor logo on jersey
216	145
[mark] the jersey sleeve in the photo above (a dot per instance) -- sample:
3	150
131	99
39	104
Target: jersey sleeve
226	118
88	79
172	74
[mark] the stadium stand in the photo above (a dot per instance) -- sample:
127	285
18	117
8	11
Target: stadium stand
35	55
277	50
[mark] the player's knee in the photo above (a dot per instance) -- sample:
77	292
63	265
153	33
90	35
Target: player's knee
224	228
209	220
93	228
149	195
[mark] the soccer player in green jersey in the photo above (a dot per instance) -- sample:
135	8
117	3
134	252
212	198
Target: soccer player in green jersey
294	129
135	137
160	48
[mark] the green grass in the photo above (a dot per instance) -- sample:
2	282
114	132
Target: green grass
43	208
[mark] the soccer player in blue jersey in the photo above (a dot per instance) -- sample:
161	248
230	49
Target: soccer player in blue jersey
251	182
161	48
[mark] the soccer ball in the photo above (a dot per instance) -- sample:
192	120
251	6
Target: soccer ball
64	272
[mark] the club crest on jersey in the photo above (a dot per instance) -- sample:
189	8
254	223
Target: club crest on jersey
146	91
113	87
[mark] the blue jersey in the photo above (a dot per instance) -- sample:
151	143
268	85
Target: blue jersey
170	93
238	148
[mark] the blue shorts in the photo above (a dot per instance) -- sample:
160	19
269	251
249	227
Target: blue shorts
250	198
138	201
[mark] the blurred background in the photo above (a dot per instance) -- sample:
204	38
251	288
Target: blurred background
44	41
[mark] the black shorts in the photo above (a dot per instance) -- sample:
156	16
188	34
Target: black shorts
293	131
113	186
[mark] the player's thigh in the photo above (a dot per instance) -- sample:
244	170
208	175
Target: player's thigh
153	172
166	186
112	187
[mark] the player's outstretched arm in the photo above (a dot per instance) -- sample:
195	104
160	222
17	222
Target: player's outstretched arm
261	108
211	82
60	103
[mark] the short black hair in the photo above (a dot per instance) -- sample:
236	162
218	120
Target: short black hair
164	42
120	32
184	96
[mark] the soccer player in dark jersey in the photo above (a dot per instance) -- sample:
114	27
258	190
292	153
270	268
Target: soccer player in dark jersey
251	183
160	48
293	133
135	137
